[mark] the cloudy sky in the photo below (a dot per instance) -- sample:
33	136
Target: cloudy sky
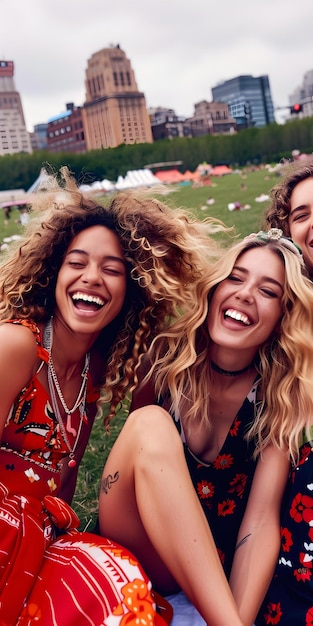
179	49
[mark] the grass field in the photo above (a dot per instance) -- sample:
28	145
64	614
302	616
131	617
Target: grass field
244	188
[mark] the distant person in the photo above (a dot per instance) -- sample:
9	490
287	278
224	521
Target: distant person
7	212
24	217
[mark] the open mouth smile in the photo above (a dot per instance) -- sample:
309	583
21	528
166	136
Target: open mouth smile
237	316
94	302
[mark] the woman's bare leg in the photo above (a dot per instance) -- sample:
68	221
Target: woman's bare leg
149	505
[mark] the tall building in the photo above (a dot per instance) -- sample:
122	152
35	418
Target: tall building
14	136
249	100
114	111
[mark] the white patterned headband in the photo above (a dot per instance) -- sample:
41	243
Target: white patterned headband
275	234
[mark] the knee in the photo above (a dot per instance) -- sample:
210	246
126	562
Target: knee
154	431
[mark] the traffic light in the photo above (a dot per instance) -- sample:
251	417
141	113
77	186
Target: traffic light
296	108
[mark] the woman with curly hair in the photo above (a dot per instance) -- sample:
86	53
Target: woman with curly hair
233	381
291	207
81	300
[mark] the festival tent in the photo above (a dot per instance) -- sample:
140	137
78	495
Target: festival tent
220	170
169	176
188	175
137	178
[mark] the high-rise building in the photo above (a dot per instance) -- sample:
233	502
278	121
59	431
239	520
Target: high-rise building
249	100
115	111
14	136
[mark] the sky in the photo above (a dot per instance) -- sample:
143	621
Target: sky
178	49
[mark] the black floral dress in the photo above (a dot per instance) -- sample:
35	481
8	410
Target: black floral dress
223	486
289	601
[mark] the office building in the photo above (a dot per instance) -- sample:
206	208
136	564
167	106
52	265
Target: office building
114	111
14	136
249	100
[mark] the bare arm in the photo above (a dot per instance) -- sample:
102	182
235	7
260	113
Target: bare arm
259	535
18	363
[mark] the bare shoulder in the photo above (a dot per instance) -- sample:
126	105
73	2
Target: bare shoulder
18	364
17	341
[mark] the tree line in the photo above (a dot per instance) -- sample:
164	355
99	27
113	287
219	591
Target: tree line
254	145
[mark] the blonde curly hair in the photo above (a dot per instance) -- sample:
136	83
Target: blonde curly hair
166	252
181	368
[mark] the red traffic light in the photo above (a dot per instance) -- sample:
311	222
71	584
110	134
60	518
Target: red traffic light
296	108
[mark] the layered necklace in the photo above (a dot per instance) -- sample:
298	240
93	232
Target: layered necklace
56	393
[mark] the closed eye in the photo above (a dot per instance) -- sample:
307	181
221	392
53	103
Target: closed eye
77	264
113	271
269	293
300	217
234	278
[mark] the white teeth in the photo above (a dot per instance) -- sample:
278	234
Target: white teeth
86	298
236	315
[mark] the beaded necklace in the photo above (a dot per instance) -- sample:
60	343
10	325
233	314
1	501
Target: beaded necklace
55	390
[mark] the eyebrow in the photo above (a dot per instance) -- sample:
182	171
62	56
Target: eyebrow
266	278
298	208
110	257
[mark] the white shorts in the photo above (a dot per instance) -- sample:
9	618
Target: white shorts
185	613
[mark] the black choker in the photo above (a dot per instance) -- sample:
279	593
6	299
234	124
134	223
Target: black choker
220	370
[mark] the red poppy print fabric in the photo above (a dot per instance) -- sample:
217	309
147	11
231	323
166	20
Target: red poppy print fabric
289	601
223	486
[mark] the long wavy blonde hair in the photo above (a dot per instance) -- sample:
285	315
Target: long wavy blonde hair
166	252
181	367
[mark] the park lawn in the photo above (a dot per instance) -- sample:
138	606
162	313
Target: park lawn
224	190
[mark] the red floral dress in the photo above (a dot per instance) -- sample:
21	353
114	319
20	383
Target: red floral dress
51	574
223	486
289	601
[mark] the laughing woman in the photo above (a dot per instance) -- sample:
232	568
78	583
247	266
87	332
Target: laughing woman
234	383
80	301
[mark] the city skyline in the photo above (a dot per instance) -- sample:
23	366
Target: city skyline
177	55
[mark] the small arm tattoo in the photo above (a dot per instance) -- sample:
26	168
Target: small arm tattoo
108	481
242	541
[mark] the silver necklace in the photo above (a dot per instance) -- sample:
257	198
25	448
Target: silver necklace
54	387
